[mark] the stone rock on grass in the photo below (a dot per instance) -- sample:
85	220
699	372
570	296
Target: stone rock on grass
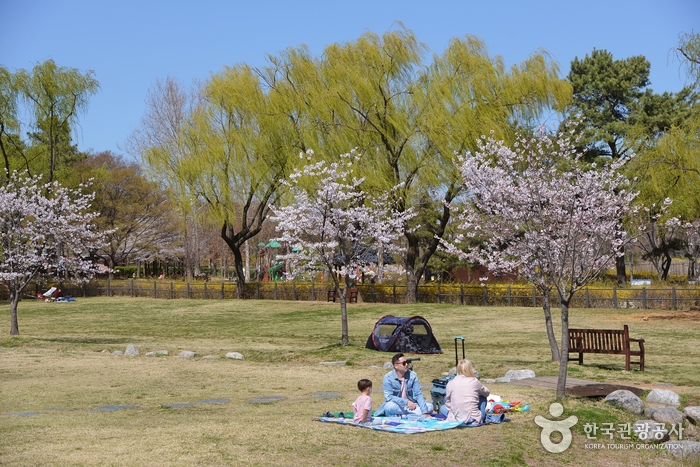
693	414
131	350
627	400
663	397
685	449
187	354
235	356
158	353
514	375
664	415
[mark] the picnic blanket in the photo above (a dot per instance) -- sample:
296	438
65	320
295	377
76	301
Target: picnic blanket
408	425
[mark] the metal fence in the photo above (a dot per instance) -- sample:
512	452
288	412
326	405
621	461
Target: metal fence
672	298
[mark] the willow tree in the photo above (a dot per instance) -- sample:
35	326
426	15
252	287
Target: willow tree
9	121
407	118
374	94
240	156
233	152
671	170
688	51
56	97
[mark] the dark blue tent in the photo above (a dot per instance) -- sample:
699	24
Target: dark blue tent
411	334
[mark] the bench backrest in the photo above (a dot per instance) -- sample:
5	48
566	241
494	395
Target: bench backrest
599	340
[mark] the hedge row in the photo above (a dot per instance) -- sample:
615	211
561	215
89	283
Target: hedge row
465	294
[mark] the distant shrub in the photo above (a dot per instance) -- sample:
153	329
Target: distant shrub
125	271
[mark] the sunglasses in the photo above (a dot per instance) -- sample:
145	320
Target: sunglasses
402	363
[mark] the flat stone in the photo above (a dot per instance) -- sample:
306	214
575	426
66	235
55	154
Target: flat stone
342	363
178	405
113	408
187	354
21	414
158	353
213	401
106	352
235	356
514	375
131	350
388	366
265	399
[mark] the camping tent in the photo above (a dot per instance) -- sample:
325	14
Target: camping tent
400	334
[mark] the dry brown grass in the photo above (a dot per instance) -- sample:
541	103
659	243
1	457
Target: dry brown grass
57	364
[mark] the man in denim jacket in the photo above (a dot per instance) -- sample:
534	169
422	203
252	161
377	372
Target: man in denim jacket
402	392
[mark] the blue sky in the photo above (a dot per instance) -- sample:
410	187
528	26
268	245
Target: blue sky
129	44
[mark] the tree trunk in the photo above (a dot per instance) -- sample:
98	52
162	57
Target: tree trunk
546	306
412	252
247	275
564	361
413	273
345	337
693	264
665	264
240	274
621	270
15	296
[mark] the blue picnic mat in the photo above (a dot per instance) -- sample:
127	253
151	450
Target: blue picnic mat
409	425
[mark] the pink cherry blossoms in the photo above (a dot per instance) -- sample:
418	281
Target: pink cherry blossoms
46	231
333	224
538	209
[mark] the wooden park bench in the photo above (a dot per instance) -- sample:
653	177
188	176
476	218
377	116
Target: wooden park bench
605	341
350	298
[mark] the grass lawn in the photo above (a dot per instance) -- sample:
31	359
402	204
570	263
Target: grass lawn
57	368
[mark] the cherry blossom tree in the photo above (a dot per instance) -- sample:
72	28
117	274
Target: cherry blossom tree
333	224
46	230
537	208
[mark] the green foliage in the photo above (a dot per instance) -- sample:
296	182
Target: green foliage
125	271
620	113
688	51
408	118
671	170
55	96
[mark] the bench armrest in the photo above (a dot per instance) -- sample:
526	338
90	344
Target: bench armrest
641	347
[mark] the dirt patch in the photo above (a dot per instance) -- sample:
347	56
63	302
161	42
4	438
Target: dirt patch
690	315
